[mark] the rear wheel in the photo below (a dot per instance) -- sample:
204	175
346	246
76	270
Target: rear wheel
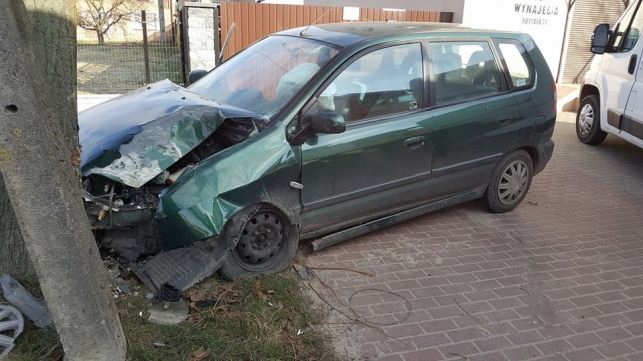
509	183
588	121
267	244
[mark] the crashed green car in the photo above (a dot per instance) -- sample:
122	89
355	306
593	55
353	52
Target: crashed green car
325	132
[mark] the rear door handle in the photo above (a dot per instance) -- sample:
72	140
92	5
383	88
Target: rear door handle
632	66
414	142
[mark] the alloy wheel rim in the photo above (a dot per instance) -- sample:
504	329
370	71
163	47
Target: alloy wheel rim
586	119
513	183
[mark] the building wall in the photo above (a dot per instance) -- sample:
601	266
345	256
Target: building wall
585	15
544	20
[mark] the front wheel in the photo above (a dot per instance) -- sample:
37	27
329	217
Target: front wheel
509	183
267	244
588	121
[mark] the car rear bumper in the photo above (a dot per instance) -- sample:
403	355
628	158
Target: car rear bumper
545	151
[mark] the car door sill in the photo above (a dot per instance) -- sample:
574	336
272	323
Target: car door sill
380	223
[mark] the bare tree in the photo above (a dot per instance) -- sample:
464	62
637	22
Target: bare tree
100	15
39	155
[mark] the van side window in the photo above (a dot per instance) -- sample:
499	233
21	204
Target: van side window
383	82
619	36
463	71
634	33
518	66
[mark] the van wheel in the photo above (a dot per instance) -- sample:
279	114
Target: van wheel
509	183
267	244
588	121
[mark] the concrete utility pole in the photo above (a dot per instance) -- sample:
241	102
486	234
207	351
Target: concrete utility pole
39	165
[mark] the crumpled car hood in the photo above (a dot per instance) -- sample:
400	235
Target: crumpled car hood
135	137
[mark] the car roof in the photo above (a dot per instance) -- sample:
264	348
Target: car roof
349	33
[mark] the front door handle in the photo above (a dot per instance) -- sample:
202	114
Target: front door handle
504	120
414	142
632	66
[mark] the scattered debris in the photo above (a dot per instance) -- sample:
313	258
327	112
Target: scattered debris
171	308
159	344
200	354
149	296
12	324
34	308
123	288
299	332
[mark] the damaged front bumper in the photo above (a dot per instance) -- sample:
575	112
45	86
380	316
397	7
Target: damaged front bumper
178	177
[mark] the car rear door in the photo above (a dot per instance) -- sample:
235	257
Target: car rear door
475	119
381	162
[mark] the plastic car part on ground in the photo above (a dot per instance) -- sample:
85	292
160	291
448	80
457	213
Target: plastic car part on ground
171	308
11	326
182	267
34	308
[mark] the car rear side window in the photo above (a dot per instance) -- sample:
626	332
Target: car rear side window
518	66
382	82
463	71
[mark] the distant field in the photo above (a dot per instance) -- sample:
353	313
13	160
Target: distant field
118	68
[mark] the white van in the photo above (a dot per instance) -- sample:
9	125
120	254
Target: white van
611	95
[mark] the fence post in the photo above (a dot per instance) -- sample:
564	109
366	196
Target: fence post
146	54
217	36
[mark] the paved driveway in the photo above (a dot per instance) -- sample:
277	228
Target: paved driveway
559	278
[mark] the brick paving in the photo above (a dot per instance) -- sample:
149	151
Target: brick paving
559	278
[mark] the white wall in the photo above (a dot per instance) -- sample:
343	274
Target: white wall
544	20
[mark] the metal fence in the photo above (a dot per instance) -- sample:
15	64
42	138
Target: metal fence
115	67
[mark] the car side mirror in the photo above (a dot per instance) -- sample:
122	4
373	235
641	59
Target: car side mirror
600	39
325	122
196	74
322	122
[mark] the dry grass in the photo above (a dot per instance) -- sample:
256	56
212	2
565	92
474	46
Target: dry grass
264	319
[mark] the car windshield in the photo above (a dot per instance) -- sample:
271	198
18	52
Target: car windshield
265	76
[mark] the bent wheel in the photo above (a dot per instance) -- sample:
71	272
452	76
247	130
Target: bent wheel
267	244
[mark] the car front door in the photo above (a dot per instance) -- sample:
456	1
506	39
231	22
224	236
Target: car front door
631	124
475	119
381	162
618	69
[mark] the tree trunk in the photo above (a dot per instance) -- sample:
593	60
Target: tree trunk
101	37
38	161
13	255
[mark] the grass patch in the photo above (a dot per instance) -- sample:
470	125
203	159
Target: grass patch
264	319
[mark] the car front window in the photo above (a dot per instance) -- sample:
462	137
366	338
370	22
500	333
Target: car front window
264	77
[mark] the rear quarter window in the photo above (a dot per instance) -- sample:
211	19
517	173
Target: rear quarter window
517	64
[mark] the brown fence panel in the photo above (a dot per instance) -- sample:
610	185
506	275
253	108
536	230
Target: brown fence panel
409	15
255	21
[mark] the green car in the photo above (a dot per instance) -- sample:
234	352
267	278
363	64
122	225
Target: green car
325	132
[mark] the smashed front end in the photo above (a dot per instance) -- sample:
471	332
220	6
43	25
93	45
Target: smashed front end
135	147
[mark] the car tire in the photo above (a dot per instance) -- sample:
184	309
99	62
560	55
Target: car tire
267	244
509	183
588	121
